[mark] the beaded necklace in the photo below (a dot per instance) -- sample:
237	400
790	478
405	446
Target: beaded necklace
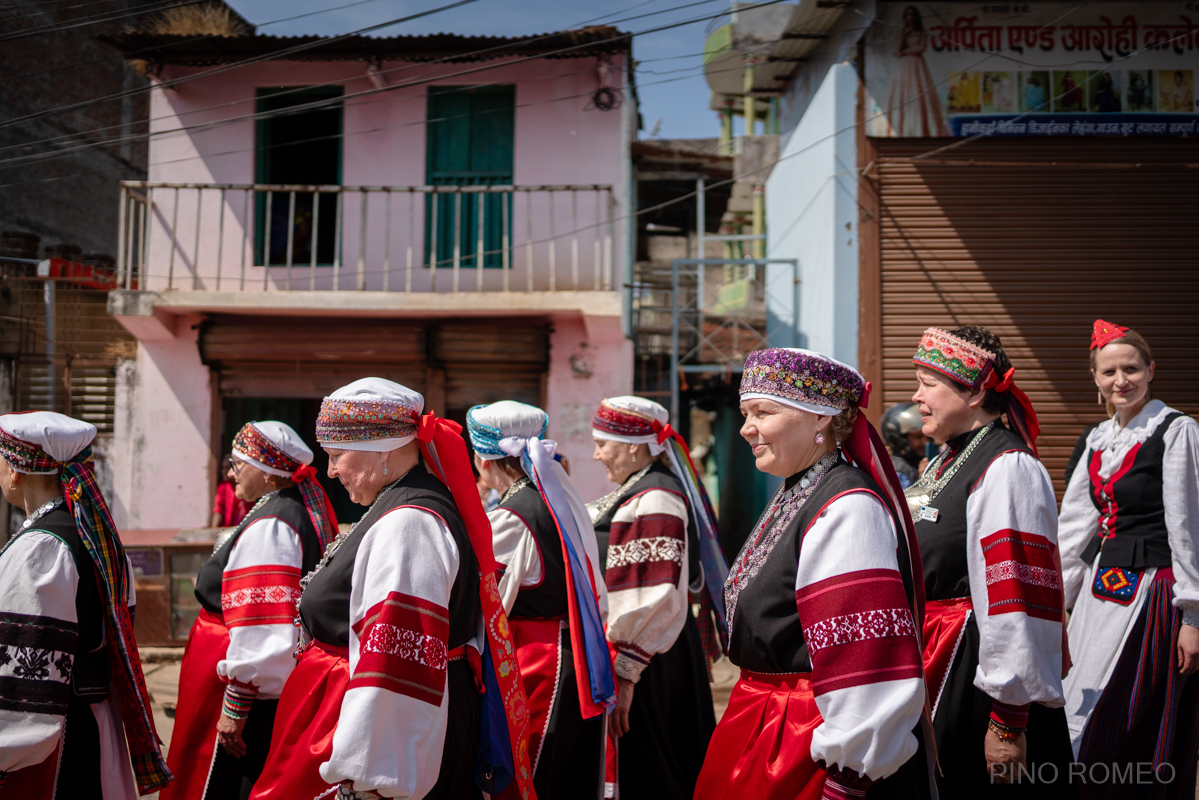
33	518
600	507
770	528
330	551
924	491
516	486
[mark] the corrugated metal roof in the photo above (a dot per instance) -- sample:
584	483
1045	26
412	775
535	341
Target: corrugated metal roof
808	27
449	47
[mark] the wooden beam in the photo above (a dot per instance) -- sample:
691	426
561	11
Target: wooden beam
870	299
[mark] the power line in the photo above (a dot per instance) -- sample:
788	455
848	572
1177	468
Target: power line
334	101
95	20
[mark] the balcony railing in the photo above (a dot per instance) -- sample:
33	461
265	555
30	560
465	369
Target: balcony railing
276	237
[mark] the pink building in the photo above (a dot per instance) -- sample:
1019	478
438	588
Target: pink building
450	212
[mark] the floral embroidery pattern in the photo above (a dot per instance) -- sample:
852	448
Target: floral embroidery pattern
258	595
253	444
622	421
953	357
408	644
849	628
343	421
1014	570
798	375
641	551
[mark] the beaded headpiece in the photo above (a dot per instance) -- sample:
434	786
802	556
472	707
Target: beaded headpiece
490	425
1104	333
25	456
966	363
40	442
623	418
369	414
254	446
802	379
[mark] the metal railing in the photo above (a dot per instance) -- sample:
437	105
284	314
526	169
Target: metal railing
280	237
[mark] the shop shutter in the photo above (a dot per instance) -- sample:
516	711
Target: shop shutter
305	357
492	360
1034	239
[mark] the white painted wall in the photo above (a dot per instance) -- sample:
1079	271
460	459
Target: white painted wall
812	216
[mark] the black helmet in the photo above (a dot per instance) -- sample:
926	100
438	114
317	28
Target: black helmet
898	421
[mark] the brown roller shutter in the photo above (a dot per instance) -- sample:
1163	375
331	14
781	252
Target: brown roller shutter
492	360
303	357
1035	239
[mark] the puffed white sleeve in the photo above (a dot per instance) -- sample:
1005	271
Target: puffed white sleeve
1076	526
516	549
1180	494
39	632
392	725
646	579
259	591
1015	586
867	676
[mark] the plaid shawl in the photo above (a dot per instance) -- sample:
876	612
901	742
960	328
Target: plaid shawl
103	544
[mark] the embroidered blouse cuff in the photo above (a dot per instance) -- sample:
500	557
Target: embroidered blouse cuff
237	702
630	662
1010	716
1190	616
844	784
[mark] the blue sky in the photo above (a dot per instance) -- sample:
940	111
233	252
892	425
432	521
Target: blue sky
672	87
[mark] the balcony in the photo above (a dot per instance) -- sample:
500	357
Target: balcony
405	246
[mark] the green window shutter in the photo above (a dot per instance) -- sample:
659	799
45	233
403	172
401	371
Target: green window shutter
470	143
303	148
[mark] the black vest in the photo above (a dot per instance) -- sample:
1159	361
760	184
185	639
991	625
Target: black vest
767	631
546	600
1139	519
943	543
325	605
287	505
658	477
89	676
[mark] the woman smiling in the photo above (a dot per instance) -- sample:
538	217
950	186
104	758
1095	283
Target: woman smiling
1133	576
822	603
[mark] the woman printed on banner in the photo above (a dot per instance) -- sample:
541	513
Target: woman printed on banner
75	717
553	592
239	650
1130	551
986	518
913	105
822	603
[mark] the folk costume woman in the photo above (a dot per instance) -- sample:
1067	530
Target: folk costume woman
554	595
74	711
1130	549
985	517
239	651
657	539
821	603
384	700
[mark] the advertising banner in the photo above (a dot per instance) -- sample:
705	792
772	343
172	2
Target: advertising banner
1033	69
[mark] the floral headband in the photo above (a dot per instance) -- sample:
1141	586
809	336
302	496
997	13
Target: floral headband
955	358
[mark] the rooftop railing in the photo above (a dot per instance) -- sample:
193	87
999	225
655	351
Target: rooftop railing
281	237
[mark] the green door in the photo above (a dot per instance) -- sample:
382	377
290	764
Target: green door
470	143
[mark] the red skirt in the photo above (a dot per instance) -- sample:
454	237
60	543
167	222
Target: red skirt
193	740
944	624
302	738
762	748
38	782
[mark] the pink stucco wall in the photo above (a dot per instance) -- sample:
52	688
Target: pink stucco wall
597	345
560	139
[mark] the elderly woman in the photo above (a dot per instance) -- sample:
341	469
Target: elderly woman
986	520
74	711
384	700
1129	527
553	593
239	651
822	603
650	544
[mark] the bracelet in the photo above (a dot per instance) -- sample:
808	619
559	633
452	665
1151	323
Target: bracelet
1004	732
236	705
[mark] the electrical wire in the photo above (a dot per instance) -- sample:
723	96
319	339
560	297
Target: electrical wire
334	101
95	20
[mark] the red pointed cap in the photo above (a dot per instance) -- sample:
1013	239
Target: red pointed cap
1104	333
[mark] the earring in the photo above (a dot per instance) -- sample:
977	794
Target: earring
634	459
819	437
1100	396
384	467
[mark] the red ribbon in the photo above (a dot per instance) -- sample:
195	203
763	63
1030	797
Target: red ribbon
993	380
1020	411
865	401
303	473
445	455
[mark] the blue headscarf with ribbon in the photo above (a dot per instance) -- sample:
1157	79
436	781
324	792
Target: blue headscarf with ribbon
508	428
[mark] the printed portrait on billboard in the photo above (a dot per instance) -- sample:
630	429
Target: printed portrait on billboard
1176	90
999	92
1034	91
1140	94
1103	93
963	93
1069	90
913	103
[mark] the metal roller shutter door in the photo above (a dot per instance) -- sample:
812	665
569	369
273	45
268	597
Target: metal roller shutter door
1035	239
491	360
